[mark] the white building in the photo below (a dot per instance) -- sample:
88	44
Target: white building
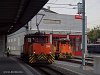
51	22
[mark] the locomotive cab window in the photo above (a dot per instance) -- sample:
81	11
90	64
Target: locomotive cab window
63	42
40	39
29	39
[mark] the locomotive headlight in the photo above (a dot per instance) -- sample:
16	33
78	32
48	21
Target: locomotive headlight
34	52
50	52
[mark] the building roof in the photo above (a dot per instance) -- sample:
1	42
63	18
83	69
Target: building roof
16	13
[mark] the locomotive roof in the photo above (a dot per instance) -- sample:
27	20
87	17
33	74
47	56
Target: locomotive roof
61	39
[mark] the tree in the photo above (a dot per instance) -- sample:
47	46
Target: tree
94	34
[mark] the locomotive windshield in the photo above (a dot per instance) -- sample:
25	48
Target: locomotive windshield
36	38
63	42
40	39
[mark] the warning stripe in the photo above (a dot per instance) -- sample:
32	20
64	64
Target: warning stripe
62	55
65	55
49	58
52	56
32	59
44	57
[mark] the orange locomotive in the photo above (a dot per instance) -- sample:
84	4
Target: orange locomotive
63	49
37	49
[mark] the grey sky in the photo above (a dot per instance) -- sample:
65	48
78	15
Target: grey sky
92	10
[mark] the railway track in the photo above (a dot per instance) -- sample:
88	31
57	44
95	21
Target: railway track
47	70
88	60
51	69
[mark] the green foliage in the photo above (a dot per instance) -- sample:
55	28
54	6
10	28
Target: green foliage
94	34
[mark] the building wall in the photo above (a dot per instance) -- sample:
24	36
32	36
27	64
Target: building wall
54	21
51	22
15	41
2	44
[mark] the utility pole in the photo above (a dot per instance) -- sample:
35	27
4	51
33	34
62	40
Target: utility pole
83	33
81	10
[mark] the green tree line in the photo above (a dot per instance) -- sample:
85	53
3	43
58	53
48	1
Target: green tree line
94	34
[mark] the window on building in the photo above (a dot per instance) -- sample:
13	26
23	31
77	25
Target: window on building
14	48
50	21
29	39
14	39
11	40
9	47
18	41
8	40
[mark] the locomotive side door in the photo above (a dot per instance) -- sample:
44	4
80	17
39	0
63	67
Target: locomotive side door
57	50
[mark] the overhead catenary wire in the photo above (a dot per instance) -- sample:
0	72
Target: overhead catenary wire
64	7
58	4
61	4
54	2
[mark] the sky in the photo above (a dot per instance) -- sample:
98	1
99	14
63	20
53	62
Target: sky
92	9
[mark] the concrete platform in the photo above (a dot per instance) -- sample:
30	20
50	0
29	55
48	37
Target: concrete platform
76	68
96	62
11	66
